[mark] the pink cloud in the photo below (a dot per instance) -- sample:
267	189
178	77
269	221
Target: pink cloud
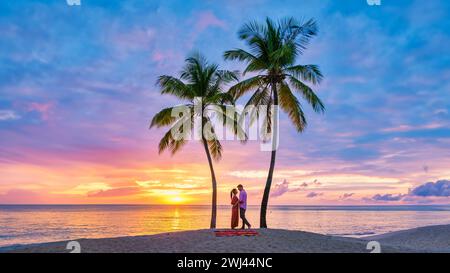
164	56
408	128
158	56
18	196
116	192
43	108
135	39
207	19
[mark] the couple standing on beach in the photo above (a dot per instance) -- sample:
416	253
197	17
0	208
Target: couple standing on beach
239	206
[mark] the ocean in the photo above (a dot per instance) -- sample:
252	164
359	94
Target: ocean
25	224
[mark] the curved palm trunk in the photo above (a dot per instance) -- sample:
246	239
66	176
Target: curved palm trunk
265	199
214	186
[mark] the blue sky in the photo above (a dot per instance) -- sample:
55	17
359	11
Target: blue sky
77	93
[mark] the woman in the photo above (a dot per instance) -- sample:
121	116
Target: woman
234	208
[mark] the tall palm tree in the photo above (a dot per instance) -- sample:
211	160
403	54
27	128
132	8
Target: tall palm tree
273	50
198	80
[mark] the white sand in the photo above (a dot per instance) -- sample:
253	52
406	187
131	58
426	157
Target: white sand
269	240
426	239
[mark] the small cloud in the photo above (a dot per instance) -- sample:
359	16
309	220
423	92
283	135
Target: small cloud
441	111
316	182
44	109
115	192
87	189
148	183
346	195
249	174
388	197
409	128
314	194
285	186
164	56
207	19
8	115
280	189
280	174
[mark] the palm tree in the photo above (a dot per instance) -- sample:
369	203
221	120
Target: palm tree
198	80
273	50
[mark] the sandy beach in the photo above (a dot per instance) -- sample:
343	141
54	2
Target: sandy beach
424	239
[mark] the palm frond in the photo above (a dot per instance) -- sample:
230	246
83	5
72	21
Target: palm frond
251	29
239	54
260	97
310	73
284	55
290	104
209	135
174	86
163	118
302	33
244	86
221	78
219	99
308	94
168	142
226	76
215	148
197	71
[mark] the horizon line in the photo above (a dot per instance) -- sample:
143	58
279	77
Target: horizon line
186	205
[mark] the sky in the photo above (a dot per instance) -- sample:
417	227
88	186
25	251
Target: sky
77	93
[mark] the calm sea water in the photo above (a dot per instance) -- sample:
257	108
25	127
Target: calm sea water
24	224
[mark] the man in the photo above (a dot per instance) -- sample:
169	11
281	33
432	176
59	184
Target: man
243	206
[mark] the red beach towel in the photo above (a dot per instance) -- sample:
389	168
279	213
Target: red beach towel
229	233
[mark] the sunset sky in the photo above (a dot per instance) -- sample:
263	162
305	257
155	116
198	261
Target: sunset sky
77	92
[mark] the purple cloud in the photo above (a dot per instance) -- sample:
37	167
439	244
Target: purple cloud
314	194
346	195
419	194
283	187
388	197
439	188
280	189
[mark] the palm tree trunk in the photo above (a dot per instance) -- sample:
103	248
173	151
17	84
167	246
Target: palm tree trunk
265	199
214	186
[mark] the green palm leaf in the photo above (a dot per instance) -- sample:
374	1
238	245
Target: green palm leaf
174	86
310	73
244	86
308	94
290	104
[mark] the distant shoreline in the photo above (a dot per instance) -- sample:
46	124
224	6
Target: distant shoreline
423	239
